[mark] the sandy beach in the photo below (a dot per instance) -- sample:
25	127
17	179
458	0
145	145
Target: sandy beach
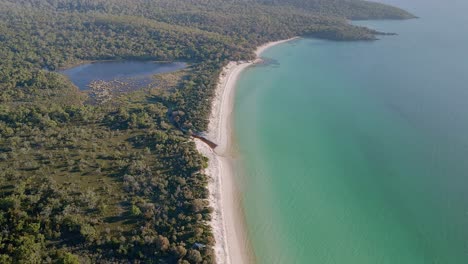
232	244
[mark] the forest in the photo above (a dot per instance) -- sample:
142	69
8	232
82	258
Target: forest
121	181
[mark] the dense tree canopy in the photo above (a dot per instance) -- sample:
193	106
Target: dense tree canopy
121	181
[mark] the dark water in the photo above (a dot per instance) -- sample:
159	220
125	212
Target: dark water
357	153
136	71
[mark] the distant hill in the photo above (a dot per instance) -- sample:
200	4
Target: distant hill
351	9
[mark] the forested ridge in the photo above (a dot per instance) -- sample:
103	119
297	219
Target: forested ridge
121	182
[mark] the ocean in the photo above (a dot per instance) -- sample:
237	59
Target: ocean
357	152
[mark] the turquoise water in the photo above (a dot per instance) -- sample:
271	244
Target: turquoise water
139	72
358	152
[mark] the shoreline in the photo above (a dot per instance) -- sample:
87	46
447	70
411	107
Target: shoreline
230	233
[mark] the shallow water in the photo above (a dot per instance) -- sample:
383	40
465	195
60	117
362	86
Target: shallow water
356	152
139	72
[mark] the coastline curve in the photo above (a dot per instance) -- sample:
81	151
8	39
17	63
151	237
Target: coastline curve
230	233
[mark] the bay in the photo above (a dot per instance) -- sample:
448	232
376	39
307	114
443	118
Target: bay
355	152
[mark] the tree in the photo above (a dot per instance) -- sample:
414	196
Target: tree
88	232
135	210
29	250
194	256
69	258
162	243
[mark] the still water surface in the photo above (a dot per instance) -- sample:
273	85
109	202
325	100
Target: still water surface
137	71
357	152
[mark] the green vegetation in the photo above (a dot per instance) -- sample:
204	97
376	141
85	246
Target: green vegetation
121	181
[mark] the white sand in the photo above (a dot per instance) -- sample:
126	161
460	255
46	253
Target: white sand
232	244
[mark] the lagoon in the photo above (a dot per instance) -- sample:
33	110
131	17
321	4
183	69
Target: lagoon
139	72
